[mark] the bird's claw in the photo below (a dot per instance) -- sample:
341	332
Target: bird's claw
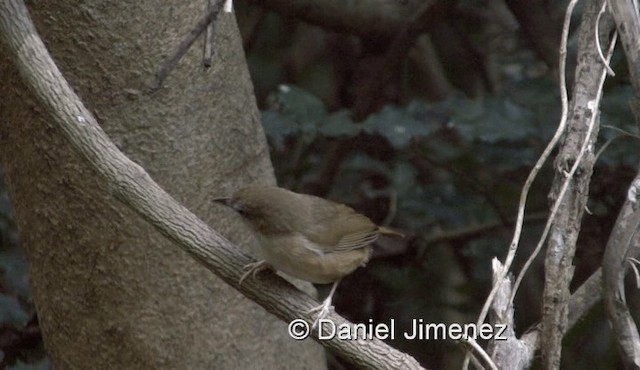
253	268
325	309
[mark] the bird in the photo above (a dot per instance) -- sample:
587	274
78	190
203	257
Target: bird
305	236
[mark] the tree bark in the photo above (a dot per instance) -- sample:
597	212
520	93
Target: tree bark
576	149
111	292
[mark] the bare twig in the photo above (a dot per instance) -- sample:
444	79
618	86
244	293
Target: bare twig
565	186
513	247
471	342
508	352
625	14
621	243
633	262
172	60
209	38
570	188
473	231
623	132
597	37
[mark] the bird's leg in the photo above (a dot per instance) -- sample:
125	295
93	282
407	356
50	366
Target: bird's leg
325	308
253	268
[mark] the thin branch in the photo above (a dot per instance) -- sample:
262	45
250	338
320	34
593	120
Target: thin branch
633	262
485	356
584	298
621	244
624	132
571	190
567	182
597	38
513	247
625	14
581	302
209	37
132	185
474	231
508	352
172	60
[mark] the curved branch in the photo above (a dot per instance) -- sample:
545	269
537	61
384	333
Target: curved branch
625	14
133	186
614	266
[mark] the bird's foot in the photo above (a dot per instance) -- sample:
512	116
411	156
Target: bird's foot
253	268
324	310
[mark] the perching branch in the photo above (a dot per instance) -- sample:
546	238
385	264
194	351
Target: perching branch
133	186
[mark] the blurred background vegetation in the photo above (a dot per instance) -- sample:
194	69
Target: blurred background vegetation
435	140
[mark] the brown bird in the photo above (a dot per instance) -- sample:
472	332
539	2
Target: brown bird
305	236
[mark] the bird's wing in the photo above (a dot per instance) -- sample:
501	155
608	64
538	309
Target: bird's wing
356	240
340	228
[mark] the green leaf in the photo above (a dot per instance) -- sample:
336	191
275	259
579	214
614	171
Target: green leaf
303	108
339	124
399	125
277	127
493	120
294	111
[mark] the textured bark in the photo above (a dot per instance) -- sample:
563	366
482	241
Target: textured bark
111	292
565	229
622	242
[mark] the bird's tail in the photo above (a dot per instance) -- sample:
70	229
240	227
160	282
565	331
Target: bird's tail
387	231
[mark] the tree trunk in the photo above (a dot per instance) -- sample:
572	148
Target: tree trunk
110	291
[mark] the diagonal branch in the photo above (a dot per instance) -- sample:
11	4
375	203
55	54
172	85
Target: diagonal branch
133	186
